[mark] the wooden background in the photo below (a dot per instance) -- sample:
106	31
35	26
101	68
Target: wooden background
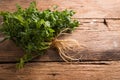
99	31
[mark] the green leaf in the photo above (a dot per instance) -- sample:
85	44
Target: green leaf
47	24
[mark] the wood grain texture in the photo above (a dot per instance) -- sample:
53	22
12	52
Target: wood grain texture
83	8
101	41
100	44
114	25
62	71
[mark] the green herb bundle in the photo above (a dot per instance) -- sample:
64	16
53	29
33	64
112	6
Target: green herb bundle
34	30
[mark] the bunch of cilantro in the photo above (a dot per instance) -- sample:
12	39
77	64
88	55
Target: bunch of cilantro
34	30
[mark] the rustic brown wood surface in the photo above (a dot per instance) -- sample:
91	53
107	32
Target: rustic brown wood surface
99	32
62	71
84	8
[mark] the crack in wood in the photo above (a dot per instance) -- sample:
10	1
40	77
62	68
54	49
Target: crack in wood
53	74
106	24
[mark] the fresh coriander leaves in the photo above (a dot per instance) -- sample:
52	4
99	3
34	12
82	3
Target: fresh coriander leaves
34	30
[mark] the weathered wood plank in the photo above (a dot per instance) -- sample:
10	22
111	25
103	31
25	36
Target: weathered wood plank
10	5
113	25
84	8
100	43
62	71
